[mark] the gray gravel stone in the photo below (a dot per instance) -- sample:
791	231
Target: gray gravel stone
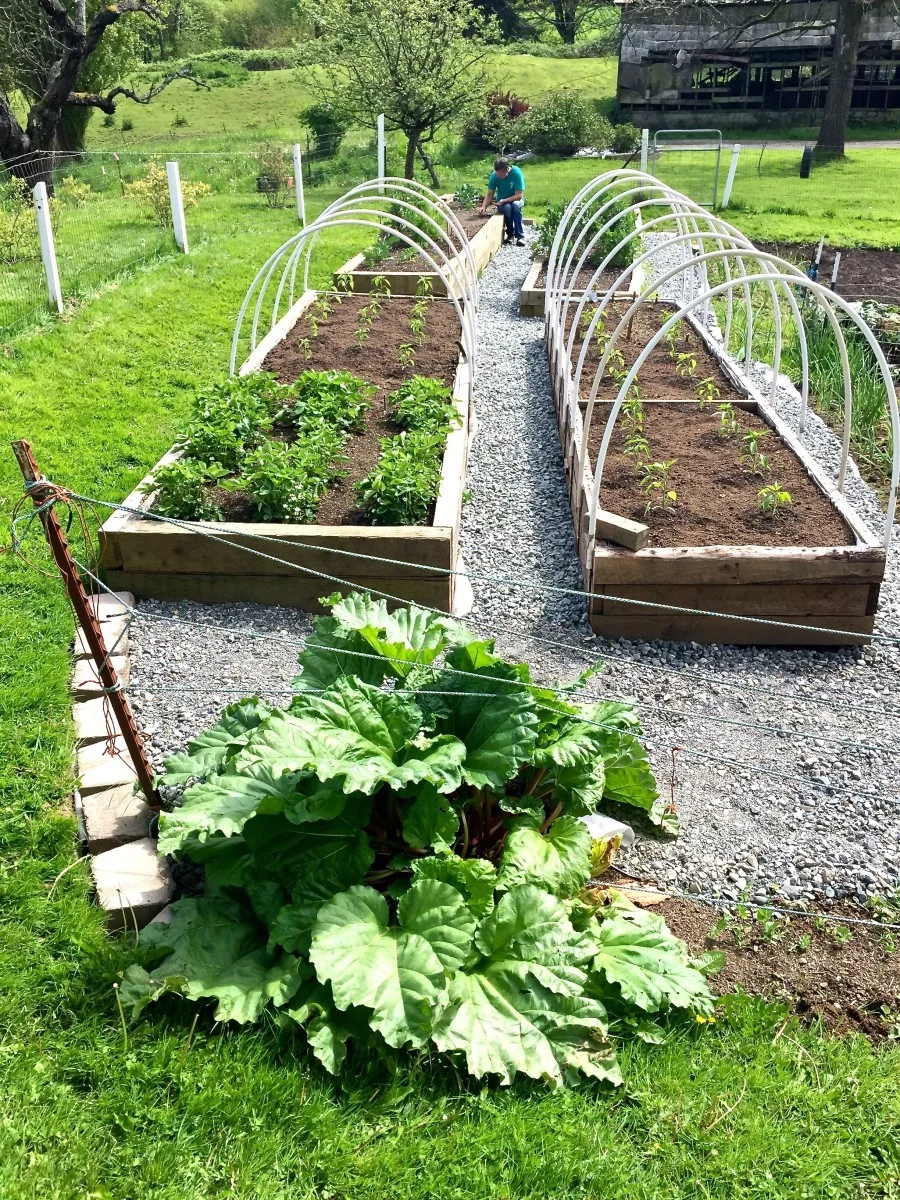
837	710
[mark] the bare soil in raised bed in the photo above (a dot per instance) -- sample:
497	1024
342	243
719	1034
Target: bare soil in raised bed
717	497
471	220
377	362
844	984
605	281
658	377
862	275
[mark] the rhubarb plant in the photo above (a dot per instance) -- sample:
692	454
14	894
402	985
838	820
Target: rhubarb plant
398	858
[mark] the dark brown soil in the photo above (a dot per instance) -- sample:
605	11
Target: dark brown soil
846	985
658	378
862	275
377	362
471	221
601	287
717	498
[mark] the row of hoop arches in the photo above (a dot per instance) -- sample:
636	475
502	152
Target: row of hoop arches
407	212
701	239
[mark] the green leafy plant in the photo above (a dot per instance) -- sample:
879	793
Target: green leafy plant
467	196
672	337
686	364
728	422
772	499
406	356
633	412
707	392
655	485
637	448
336	399
423	403
328	125
231	418
286	483
404	483
398	857
304	345
751	456
182	490
344	283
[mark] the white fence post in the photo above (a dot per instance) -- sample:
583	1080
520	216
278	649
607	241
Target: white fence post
48	250
645	148
381	147
732	171
298	184
178	225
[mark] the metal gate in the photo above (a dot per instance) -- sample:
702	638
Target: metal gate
689	160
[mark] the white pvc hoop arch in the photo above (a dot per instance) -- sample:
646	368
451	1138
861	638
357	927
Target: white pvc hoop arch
820	293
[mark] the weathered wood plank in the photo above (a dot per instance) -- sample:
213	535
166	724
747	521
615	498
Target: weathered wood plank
621	530
708	630
738	564
751	599
295	591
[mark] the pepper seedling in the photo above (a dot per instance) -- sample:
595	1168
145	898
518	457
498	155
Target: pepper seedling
728	422
751	455
707	392
655	485
772	499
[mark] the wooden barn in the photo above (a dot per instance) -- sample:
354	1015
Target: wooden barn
744	63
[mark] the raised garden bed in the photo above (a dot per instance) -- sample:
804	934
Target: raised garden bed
531	295
155	559
403	272
813	563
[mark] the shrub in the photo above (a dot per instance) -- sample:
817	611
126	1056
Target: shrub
553	215
562	122
74	192
127	124
398	858
274	167
494	125
18	228
404	483
337	398
152	194
328	126
626	139
424	403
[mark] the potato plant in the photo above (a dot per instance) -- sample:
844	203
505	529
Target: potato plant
398	857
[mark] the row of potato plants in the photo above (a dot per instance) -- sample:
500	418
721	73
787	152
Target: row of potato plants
398	857
282	445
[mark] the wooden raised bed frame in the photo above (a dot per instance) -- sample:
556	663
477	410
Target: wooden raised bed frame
531	296
832	587
484	245
154	559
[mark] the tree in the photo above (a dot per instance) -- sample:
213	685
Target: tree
847	30
50	56
567	17
417	61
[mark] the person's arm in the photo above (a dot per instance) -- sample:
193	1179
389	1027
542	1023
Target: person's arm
519	194
488	200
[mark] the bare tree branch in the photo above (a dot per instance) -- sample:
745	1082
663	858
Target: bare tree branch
107	103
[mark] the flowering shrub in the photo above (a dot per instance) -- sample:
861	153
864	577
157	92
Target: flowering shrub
152	194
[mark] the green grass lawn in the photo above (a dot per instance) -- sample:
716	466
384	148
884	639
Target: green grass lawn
745	1109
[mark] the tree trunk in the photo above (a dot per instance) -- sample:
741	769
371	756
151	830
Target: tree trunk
564	20
429	167
847	29
412	145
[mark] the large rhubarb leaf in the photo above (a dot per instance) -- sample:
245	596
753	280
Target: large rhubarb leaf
208	753
474	878
629	776
649	965
430	820
226	861
558	861
398	972
224	804
517	1009
327	1028
212	948
364	640
295	855
358	736
292	927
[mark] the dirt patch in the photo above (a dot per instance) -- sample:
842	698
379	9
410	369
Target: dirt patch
844	983
717	497
377	362
862	275
605	281
405	263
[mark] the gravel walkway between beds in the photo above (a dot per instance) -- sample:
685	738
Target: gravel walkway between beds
823	823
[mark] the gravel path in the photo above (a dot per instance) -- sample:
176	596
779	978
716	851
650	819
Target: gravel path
785	813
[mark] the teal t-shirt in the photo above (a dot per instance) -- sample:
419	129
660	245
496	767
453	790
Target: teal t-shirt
504	188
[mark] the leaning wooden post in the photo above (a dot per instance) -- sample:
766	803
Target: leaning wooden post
298	184
48	249
42	495
732	171
178	224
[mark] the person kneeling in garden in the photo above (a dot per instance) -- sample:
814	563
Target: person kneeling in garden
506	187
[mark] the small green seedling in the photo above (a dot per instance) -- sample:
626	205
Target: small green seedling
728	422
751	456
655	485
686	365
381	286
802	943
773	930
707	392
673	337
772	499
305	348
424	287
407	356
633	412
638	448
344	282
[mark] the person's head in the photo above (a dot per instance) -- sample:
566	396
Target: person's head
501	168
